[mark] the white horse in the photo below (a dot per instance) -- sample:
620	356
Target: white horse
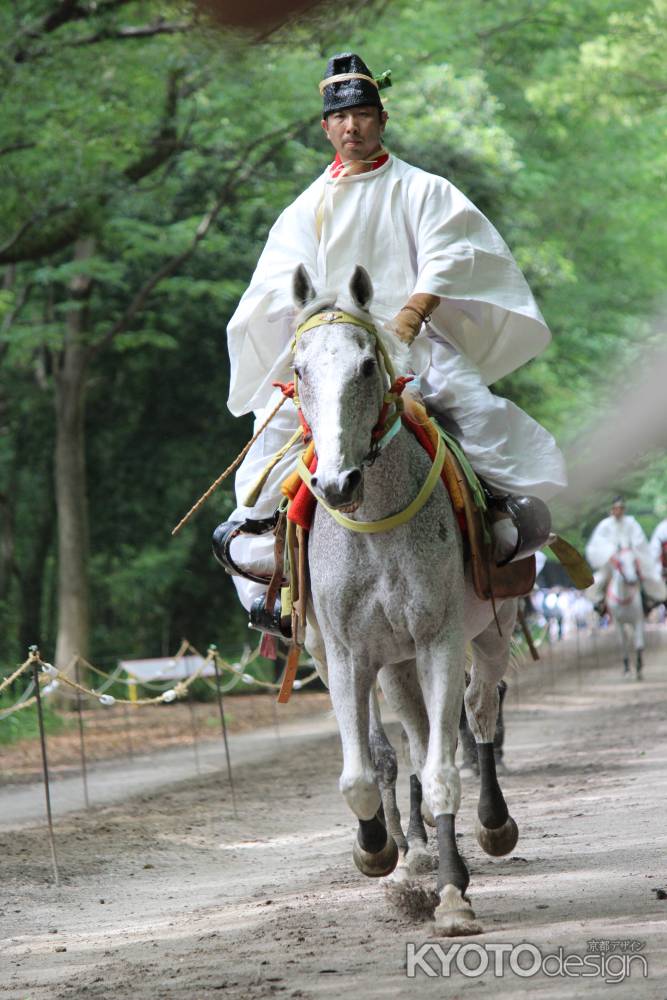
393	603
624	604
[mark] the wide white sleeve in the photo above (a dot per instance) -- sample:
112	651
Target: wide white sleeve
487	309
259	332
657	538
637	536
601	545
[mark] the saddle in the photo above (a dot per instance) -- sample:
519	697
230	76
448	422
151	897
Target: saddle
490	582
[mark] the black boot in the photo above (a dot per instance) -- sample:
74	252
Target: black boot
272	622
531	519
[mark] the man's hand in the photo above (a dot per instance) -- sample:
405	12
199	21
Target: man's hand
407	323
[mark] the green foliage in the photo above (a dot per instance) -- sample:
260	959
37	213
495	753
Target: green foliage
24	724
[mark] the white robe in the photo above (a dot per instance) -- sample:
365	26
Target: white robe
658	538
413	232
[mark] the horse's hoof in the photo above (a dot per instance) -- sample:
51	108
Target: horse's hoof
427	815
639	677
376	865
418	860
454	917
500	841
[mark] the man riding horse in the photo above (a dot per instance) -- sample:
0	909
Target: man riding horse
615	533
444	281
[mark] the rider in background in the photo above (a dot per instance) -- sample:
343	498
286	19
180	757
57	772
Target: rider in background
659	546
616	532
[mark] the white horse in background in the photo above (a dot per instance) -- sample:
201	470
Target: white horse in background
624	604
393	604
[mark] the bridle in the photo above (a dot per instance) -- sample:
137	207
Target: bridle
387	426
388	423
614	598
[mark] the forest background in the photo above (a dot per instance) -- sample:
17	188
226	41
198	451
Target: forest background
144	154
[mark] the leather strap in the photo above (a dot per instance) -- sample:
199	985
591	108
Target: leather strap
276	580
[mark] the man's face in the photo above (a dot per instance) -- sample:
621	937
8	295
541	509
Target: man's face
355	133
618	510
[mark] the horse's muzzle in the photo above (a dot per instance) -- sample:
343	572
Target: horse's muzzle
341	492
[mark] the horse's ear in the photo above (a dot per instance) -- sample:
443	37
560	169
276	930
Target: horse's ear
302	287
361	287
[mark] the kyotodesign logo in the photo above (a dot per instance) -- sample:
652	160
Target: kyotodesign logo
610	960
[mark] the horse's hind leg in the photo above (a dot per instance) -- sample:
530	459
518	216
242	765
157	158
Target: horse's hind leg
499	738
470	764
496	831
375	852
386	770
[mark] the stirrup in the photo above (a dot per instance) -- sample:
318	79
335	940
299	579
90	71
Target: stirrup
224	535
531	518
270	621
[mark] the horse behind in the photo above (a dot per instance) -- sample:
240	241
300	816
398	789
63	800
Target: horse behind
624	604
393	605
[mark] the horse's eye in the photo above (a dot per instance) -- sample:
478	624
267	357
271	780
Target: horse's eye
368	368
297	371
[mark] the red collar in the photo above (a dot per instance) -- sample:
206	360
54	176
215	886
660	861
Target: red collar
337	166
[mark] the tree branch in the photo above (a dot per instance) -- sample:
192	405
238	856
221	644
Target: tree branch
18	249
13	314
65	12
166	142
237	176
47	241
16	147
71	10
41	215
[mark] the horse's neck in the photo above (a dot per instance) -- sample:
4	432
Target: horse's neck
393	480
619	588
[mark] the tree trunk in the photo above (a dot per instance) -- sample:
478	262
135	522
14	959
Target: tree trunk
72	507
32	579
70	475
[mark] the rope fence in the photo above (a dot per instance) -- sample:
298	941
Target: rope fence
51	678
586	650
44	680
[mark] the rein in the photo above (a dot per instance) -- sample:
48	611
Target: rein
612	596
387	426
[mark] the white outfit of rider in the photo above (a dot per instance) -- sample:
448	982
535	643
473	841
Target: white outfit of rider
413	232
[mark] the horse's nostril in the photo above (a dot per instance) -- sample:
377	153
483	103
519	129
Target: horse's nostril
350	482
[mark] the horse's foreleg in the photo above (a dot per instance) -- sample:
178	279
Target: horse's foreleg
401	689
496	831
625	646
375	852
386	770
442	680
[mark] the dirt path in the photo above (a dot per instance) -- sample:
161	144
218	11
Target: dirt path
167	895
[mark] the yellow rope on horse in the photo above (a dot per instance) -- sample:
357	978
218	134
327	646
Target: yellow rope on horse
385	523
